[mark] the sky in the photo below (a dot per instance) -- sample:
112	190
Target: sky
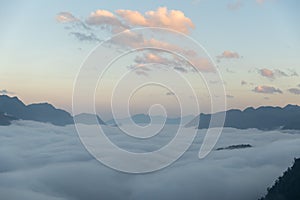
253	45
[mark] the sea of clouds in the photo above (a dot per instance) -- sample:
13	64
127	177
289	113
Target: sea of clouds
44	162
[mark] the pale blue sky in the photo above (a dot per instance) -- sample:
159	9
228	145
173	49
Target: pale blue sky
39	58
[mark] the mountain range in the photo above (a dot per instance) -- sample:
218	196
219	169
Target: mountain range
88	119
263	118
146	119
42	112
6	120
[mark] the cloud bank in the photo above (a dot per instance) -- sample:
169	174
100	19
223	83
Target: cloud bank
41	161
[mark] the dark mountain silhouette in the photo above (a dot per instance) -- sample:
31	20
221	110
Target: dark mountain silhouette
89	119
42	112
236	146
146	119
286	187
263	118
6	120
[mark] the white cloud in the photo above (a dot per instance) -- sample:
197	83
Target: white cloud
41	161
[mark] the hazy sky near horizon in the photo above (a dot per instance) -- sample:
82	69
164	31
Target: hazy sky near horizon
254	43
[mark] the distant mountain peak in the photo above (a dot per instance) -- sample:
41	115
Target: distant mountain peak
41	112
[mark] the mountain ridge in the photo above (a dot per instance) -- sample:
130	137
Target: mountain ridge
41	112
263	118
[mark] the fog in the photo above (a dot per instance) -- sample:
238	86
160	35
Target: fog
42	161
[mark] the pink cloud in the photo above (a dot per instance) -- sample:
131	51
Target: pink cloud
228	55
132	17
105	18
151	58
65	17
267	89
267	73
123	19
162	17
272	74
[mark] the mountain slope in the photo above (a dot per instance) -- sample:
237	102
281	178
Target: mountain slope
43	112
6	120
86	118
286	187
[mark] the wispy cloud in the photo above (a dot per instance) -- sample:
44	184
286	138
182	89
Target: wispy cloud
235	5
123	20
69	18
293	72
170	94
5	92
243	82
179	64
227	54
294	91
229	71
275	73
261	1
85	37
106	20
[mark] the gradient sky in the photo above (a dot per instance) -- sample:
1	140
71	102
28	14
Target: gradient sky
255	44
